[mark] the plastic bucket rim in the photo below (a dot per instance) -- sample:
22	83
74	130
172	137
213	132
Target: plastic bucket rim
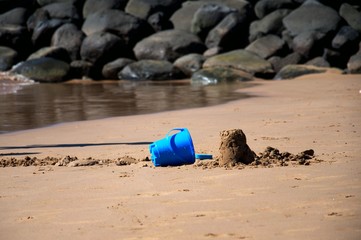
189	138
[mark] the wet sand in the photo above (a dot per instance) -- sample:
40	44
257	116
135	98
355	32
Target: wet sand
318	201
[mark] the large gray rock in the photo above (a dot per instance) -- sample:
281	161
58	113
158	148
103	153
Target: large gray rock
267	46
16	16
92	6
111	69
351	15
264	7
271	23
242	60
242	6
82	69
46	2
279	62
58	53
101	47
308	44
159	22
354	64
43	69
63	10
168	45
43	32
8	58
318	62
190	63
69	37
150	70
208	16
16	37
126	26
182	18
286	35
312	16
293	71
40	15
226	34
215	75
212	52
346	38
144	8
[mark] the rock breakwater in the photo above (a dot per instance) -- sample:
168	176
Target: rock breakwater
82	38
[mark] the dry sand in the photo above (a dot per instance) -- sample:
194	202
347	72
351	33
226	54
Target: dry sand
318	201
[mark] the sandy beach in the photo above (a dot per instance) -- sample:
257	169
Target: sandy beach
138	201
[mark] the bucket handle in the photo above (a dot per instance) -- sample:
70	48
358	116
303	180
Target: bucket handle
175	129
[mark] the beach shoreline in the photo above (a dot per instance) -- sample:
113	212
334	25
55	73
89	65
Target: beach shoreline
320	201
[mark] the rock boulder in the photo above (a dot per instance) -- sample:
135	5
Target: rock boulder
190	63
93	6
69	37
226	33
266	46
8	58
312	16
293	71
130	28
215	75
58	53
100	48
168	45
271	23
43	69
150	70
351	15
208	16
111	69
241	60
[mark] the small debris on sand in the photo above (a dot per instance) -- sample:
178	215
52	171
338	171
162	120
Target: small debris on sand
270	157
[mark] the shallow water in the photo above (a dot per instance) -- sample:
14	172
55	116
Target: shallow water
26	105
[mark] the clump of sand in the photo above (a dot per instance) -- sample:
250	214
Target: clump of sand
270	157
234	148
69	161
273	156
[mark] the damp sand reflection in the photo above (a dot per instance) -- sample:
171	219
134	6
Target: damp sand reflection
26	106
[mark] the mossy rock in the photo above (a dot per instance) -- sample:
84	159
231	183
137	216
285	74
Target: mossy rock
43	69
219	75
296	70
241	60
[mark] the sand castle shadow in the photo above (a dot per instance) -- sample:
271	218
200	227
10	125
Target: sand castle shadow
69	145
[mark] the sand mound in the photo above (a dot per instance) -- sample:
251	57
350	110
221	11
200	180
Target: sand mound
234	148
235	153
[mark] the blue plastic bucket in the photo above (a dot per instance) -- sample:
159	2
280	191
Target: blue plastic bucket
173	150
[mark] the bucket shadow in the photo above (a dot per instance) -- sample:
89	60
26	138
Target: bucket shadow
18	154
67	145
